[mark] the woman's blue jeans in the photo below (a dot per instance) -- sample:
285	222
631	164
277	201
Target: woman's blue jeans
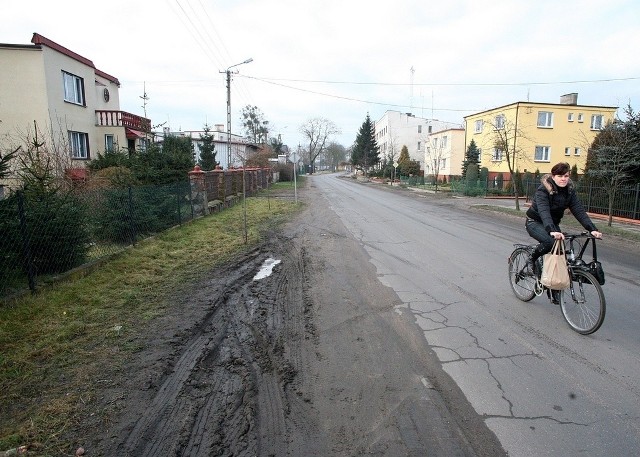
537	231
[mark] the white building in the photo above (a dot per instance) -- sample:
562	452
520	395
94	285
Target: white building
240	146
395	129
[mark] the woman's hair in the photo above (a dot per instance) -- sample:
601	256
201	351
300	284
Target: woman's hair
560	168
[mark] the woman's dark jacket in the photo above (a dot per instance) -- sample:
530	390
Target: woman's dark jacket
550	202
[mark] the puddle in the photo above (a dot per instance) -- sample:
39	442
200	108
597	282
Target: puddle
266	269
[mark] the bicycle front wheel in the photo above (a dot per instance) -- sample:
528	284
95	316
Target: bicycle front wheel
583	303
523	282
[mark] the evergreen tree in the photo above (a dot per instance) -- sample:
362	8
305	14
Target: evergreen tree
364	153
207	150
406	166
4	162
165	163
404	155
471	161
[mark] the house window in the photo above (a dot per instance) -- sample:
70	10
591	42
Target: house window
430	128
109	143
577	151
496	156
443	163
570	117
580	117
419	145
79	142
545	119
542	153
444	142
419	130
499	122
596	122
567	151
478	126
73	88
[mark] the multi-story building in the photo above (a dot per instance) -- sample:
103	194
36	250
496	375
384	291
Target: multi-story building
73	106
538	135
395	129
444	154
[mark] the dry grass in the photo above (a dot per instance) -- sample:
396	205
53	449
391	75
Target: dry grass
54	344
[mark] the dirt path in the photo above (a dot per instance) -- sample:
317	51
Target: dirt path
310	360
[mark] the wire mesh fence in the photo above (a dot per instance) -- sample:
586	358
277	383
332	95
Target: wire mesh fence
48	234
595	199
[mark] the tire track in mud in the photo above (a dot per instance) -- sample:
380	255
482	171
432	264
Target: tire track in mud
231	389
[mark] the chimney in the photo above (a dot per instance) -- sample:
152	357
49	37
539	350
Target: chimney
569	99
219	127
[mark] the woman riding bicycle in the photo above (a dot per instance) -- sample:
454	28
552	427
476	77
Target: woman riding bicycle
555	194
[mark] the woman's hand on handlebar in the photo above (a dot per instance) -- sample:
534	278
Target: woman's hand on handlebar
596	234
557	235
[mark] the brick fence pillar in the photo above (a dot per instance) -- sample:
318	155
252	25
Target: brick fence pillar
198	191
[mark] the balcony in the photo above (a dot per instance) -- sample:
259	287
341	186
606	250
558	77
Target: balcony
106	118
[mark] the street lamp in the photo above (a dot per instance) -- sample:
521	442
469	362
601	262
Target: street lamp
228	72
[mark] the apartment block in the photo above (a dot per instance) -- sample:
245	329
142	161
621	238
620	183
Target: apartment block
538	135
395	130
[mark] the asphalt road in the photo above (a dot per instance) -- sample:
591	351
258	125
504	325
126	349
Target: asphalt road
543	389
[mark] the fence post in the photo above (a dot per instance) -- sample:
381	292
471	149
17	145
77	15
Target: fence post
132	228
198	191
26	247
178	201
635	214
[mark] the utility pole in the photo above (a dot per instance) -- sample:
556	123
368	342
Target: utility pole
228	72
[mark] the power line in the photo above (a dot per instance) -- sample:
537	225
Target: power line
534	83
349	98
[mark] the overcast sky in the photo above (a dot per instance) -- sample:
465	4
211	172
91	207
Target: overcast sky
342	59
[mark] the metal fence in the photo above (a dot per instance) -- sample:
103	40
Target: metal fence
594	198
44	235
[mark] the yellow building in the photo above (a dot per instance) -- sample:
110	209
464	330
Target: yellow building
536	135
73	105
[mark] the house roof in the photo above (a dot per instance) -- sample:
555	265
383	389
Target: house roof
539	104
38	39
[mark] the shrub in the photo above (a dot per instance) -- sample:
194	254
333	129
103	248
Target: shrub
56	236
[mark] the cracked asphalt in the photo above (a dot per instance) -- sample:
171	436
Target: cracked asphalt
541	388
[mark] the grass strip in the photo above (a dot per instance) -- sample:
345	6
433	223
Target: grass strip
53	344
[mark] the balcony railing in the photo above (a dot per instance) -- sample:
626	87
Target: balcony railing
106	118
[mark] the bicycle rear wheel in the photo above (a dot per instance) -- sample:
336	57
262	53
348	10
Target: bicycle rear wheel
583	303
523	282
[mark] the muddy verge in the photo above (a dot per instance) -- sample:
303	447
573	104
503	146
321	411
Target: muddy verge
312	359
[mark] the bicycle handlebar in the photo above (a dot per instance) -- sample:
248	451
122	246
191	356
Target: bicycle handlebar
583	234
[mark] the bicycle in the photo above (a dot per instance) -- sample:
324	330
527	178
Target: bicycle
583	303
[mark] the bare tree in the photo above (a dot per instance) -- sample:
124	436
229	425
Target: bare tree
391	154
42	157
256	127
335	154
505	148
317	131
434	157
614	157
